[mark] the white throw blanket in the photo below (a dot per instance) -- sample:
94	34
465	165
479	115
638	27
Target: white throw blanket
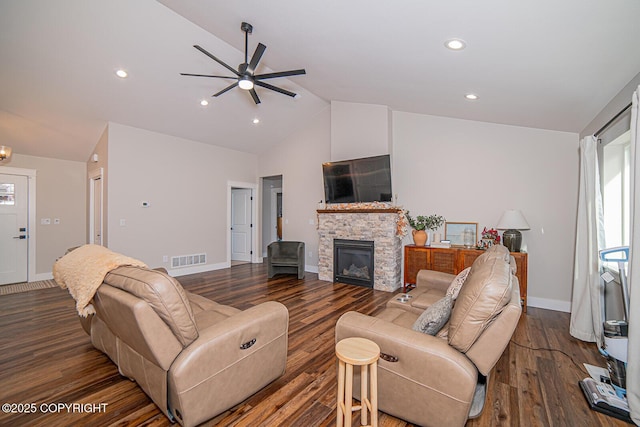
83	269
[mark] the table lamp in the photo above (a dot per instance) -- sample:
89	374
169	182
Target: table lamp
512	221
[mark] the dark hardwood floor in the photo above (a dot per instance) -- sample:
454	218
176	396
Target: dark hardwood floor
46	358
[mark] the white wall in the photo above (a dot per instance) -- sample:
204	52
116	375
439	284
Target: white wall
359	130
60	193
620	101
186	185
473	171
299	160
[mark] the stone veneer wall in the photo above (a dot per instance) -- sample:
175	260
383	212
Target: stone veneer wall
380	226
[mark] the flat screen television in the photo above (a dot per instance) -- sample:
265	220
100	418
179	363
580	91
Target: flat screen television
359	180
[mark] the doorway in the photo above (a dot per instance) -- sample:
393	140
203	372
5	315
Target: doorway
95	207
241	238
272	223
17	234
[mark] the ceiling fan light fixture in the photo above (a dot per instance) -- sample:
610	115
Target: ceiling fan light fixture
245	83
204	102
455	44
121	73
471	96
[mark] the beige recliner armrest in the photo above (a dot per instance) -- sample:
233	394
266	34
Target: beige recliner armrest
442	380
434	279
229	360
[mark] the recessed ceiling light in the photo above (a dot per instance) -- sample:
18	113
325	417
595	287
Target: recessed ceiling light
455	44
121	73
256	121
471	96
204	102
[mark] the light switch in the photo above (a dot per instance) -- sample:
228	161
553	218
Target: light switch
123	222
56	221
45	221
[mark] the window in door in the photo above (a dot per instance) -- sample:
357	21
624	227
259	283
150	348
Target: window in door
7	194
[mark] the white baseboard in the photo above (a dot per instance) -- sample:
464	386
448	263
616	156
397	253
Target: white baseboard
177	272
549	304
41	276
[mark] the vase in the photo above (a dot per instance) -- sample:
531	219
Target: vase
419	237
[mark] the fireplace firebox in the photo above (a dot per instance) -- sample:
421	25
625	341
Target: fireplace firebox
353	262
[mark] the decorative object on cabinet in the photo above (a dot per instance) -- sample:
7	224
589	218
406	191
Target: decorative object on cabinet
453	261
421	224
461	233
420	237
512	221
489	238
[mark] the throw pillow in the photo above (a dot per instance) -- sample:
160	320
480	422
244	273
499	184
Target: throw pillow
434	317
457	282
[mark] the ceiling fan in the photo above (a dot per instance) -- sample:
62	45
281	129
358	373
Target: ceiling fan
245	74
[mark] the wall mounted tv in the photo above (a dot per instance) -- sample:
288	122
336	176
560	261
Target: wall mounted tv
358	180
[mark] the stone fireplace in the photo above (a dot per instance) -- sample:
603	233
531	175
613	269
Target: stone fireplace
362	225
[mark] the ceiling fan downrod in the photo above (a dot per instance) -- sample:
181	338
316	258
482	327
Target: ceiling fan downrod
248	29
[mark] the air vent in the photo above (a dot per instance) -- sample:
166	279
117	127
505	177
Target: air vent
188	260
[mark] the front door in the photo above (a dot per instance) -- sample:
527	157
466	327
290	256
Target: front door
14	243
241	224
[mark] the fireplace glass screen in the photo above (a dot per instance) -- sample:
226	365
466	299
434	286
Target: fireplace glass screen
353	262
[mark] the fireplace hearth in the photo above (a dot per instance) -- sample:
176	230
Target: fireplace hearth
353	262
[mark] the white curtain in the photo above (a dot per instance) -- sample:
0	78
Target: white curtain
586	304
633	364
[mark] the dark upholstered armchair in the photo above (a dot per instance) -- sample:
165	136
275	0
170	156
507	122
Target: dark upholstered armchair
286	257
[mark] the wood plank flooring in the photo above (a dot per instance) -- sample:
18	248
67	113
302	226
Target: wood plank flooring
45	357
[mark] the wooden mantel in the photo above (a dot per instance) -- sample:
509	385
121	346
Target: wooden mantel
363	210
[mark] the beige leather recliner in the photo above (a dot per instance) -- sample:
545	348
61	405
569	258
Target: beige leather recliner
432	380
193	357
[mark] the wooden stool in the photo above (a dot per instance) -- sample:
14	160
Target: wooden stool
364	353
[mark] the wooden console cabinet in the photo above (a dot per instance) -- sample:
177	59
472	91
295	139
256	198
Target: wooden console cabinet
453	261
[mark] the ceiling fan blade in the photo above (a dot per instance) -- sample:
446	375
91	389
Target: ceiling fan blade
277	89
279	74
254	95
256	58
228	88
207	75
217	60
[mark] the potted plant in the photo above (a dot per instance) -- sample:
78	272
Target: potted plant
422	223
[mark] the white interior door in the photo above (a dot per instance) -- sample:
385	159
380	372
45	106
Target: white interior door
14	243
241	205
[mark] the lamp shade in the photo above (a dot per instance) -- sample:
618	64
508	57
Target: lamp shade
512	220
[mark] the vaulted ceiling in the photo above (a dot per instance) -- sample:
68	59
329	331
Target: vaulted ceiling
535	63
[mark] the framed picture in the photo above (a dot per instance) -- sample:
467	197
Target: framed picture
454	231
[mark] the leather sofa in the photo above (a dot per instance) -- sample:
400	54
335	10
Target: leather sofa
193	357
285	257
432	380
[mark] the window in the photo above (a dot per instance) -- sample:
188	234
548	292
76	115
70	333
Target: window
614	158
